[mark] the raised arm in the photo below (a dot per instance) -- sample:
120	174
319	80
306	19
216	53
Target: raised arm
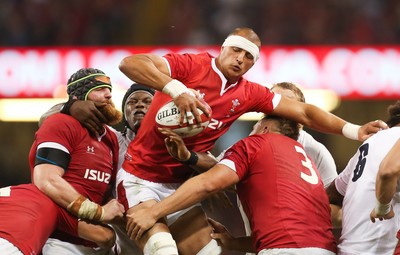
386	184
148	69
199	161
323	121
152	70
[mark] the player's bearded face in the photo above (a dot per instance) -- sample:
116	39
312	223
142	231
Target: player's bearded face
112	115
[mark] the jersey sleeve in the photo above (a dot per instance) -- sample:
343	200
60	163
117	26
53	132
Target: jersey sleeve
343	178
263	99
321	156
240	156
180	65
67	223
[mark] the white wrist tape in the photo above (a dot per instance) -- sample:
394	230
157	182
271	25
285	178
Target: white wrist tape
351	131
175	88
86	209
382	209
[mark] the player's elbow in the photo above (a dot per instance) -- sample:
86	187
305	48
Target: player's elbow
129	65
47	184
388	170
124	66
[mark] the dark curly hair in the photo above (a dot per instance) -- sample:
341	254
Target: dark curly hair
394	114
83	81
286	127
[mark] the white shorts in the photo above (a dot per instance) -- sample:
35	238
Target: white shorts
8	248
296	251
138	190
56	246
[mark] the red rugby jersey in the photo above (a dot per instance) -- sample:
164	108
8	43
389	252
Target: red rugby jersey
147	156
281	192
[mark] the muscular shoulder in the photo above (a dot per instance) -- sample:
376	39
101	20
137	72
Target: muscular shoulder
60	120
183	65
199	57
60	128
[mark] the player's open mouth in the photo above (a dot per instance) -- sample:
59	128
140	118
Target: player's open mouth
236	68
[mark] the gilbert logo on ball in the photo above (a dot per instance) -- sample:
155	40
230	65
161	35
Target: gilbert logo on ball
168	117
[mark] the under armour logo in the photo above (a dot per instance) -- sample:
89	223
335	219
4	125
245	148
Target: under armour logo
90	149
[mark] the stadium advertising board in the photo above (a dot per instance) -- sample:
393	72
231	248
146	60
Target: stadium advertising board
352	72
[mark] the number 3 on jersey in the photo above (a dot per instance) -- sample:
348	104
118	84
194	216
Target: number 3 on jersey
313	178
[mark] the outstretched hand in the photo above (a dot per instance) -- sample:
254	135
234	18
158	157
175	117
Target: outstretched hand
187	105
87	113
370	128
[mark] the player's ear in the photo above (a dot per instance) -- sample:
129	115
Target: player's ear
265	129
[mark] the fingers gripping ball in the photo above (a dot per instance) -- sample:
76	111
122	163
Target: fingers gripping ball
168	116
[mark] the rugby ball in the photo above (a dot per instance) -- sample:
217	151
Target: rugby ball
168	117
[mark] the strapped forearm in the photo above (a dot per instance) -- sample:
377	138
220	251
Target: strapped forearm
200	161
85	209
351	131
175	88
382	209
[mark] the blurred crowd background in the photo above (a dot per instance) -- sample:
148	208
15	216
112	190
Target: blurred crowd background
194	22
154	22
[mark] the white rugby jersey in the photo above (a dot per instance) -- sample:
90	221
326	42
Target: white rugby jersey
357	184
320	155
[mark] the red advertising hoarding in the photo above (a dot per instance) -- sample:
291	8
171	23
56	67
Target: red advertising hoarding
366	72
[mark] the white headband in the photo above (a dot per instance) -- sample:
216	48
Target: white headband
243	43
